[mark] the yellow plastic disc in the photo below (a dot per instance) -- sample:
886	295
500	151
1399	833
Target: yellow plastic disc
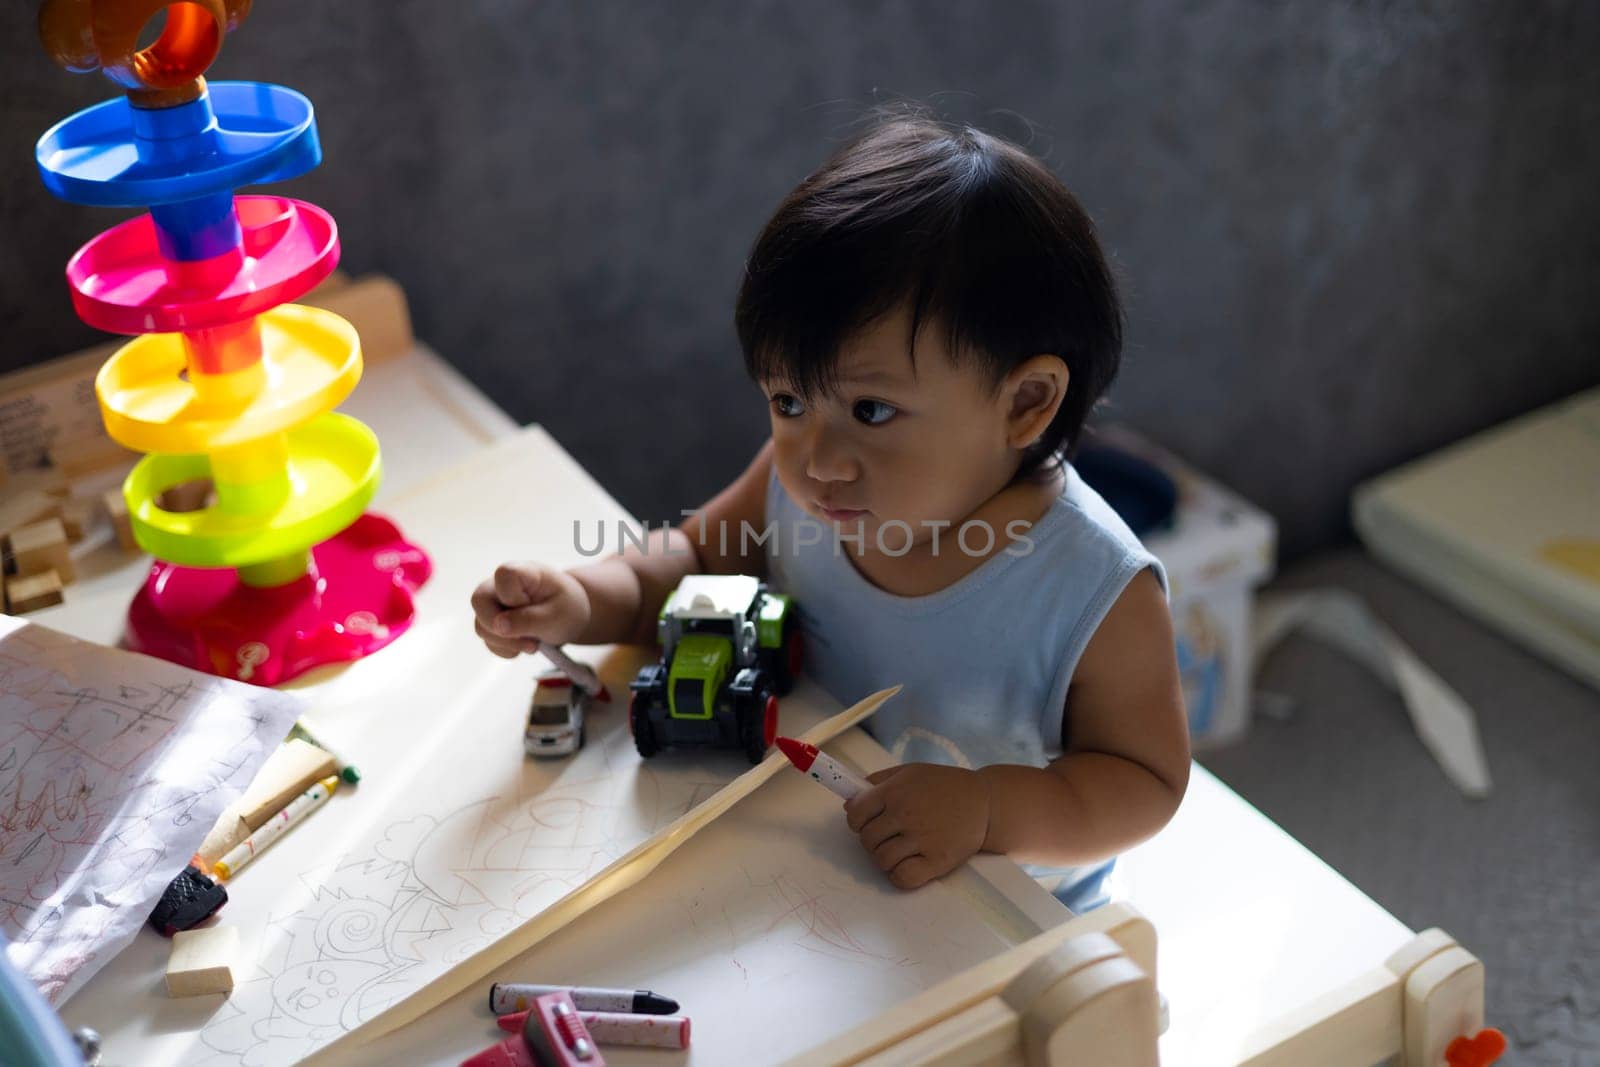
310	361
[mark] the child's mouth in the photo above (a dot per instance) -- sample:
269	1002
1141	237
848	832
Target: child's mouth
842	514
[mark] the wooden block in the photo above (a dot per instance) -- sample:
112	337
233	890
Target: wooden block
26	508
41	547
295	767
376	306
76	516
46	480
188	496
33	592
337	280
117	507
202	961
50	417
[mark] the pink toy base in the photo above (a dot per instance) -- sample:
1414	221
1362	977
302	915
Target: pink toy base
354	600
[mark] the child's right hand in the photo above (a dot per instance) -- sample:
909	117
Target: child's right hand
527	604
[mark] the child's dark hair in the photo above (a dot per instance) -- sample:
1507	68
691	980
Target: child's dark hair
968	230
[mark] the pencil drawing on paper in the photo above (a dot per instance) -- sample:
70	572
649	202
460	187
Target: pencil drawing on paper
112	767
436	885
755	920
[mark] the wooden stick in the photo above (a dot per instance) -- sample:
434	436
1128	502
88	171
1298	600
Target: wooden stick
621	874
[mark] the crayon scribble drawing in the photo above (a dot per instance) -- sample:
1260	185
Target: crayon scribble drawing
425	891
773	926
112	768
778	905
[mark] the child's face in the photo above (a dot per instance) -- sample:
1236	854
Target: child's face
920	446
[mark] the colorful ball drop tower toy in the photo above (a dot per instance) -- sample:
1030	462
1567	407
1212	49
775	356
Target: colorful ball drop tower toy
226	381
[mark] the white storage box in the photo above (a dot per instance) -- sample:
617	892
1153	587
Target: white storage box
1506	526
1217	551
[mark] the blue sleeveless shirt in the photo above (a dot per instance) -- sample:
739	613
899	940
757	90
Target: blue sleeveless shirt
986	661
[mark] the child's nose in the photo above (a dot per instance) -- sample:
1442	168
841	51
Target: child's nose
828	460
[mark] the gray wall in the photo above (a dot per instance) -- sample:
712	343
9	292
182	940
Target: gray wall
1349	232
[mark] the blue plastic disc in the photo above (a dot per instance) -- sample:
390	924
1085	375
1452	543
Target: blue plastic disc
116	155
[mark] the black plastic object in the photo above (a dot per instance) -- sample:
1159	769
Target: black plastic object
1138	490
190	900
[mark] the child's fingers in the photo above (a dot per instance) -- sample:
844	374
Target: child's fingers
524	622
484	605
913	873
503	649
877	777
518	584
893	852
863	808
879	830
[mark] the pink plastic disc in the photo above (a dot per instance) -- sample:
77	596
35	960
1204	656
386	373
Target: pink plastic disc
121	283
356	598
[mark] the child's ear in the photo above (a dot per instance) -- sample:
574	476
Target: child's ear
1033	394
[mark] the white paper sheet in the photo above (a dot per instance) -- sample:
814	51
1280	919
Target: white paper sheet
776	904
112	768
453	863
1444	722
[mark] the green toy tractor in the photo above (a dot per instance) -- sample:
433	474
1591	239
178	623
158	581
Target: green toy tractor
729	649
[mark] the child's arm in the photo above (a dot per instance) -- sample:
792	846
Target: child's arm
1127	761
617	599
1120	780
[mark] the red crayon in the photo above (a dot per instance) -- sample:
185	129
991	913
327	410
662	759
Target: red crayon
621	1028
822	767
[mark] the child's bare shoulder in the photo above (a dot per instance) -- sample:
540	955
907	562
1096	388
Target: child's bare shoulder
1127	697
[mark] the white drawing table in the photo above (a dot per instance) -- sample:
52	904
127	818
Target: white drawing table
1251	924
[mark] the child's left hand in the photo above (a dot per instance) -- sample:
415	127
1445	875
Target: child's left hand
921	820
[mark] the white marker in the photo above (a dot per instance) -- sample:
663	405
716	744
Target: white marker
274	828
506	998
822	767
581	674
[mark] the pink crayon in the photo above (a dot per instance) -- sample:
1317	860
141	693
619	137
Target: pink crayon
621	1028
822	767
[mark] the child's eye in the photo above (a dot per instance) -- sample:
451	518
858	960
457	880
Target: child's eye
875	412
787	406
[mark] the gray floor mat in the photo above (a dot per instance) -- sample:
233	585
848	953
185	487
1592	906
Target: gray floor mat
1515	877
